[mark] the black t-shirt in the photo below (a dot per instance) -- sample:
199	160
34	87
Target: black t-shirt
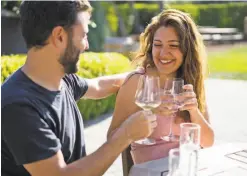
37	123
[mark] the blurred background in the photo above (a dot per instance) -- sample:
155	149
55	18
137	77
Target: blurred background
114	35
117	24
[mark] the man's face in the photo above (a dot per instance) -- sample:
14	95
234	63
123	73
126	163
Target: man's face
77	43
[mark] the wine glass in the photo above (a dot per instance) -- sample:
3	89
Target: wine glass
169	99
148	97
174	87
177	91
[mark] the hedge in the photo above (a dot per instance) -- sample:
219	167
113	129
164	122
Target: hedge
90	65
219	15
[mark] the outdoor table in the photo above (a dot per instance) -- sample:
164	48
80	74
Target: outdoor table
220	160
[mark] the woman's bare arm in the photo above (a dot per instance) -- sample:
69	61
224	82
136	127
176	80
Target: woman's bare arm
125	103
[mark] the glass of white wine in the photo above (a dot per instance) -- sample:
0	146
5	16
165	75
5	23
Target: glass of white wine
148	97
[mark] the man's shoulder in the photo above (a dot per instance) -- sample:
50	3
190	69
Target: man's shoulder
14	89
13	95
70	79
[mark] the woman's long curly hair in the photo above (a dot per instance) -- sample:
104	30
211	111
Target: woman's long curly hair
193	68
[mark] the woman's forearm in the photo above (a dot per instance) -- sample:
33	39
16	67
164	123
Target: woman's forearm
207	133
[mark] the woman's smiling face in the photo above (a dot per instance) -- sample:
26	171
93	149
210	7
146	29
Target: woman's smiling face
166	52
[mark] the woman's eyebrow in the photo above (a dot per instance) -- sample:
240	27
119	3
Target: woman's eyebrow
157	40
173	41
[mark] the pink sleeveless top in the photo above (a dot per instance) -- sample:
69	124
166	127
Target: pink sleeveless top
142	153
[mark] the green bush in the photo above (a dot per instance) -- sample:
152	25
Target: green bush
219	15
90	65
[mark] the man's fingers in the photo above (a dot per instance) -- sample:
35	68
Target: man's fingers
152	118
147	113
154	124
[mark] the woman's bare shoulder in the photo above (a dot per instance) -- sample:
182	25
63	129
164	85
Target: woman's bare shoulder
131	82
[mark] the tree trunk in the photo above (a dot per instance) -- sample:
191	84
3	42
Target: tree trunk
161	5
121	26
136	26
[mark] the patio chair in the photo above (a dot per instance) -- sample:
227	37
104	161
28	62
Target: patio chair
127	161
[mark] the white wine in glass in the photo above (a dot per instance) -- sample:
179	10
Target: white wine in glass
148	97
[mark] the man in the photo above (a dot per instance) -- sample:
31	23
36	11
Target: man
42	129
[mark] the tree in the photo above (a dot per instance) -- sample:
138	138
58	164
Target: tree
11	6
96	33
136	26
161	5
121	26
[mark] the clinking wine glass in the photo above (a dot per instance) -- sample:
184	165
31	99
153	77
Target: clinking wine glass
169	99
174	87
148	97
177	92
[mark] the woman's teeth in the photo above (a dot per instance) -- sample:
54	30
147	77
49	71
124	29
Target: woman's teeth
165	61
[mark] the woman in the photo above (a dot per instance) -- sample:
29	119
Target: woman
170	47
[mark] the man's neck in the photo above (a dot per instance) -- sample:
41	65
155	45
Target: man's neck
43	69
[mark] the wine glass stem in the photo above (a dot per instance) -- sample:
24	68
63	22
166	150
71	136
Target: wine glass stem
171	122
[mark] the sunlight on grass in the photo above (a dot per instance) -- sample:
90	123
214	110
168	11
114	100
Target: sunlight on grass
230	64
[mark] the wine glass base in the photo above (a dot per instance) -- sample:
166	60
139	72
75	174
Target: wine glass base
146	141
171	138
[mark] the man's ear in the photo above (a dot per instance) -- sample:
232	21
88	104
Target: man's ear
59	37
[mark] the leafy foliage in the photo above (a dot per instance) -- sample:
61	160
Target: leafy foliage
219	15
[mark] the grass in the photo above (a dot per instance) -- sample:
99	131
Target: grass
228	64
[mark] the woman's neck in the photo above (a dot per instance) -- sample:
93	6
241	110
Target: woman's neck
154	72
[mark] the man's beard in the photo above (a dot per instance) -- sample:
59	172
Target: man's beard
70	58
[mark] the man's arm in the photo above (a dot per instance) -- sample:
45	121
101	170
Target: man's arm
104	86
95	164
98	162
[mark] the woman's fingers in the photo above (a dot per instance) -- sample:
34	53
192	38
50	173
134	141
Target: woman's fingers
189	95
188	87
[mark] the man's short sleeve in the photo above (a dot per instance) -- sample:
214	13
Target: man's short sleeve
78	85
27	134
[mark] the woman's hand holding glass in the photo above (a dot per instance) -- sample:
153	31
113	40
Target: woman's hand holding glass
189	99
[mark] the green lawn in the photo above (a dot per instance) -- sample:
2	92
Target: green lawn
229	64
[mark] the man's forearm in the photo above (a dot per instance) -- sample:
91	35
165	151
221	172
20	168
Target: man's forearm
98	162
110	84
